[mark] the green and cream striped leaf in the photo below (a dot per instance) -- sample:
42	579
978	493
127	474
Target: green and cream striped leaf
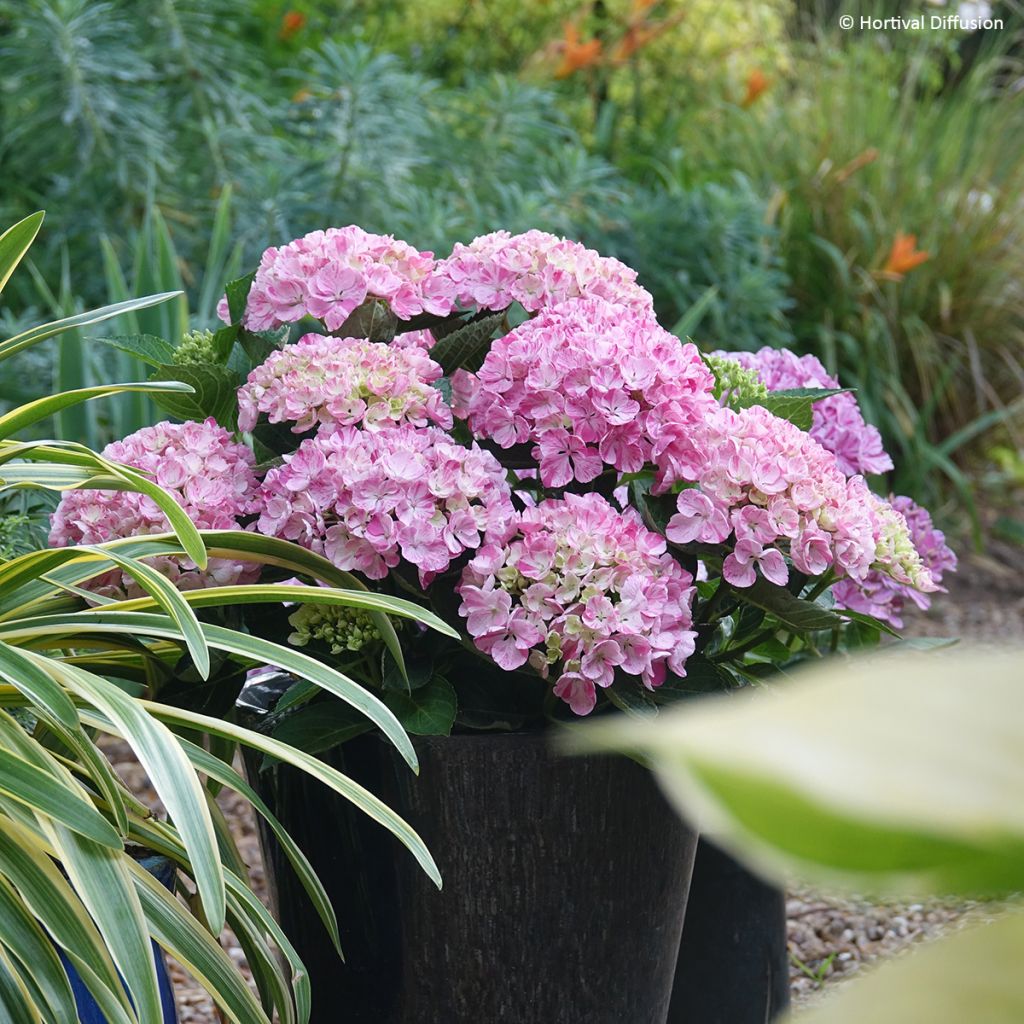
170	773
37	334
25	863
100	878
32	947
16	998
41	408
216	769
15	242
331	777
193	946
64	630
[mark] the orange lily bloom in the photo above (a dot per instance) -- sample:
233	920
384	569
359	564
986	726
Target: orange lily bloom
757	83
904	256
577	54
292	22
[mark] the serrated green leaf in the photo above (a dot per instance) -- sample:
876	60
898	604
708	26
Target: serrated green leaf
147	347
322	726
427	711
237	293
214	392
419	670
795	404
466	347
702	677
258	345
793	612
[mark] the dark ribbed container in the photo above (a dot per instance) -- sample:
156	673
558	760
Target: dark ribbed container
565	884
733	960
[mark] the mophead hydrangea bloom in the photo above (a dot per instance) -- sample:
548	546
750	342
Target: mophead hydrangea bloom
838	424
589	384
329	274
582	592
369	499
919	545
775	492
207	473
327	381
537	270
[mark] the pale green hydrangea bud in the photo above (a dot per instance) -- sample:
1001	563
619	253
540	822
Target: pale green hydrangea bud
735	386
341	629
195	347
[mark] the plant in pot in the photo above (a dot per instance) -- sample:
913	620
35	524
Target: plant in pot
92	883
611	522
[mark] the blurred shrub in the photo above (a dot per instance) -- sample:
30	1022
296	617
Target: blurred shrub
899	207
685	242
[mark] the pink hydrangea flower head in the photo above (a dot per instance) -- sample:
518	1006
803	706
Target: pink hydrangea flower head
774	493
332	382
369	499
838	423
582	592
537	270
207	473
912	559
589	384
329	274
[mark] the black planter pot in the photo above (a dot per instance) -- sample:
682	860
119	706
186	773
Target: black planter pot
733	961
565	886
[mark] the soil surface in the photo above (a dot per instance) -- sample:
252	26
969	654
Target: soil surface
830	937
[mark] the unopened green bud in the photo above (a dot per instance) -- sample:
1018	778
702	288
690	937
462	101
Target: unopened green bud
340	628
195	347
735	386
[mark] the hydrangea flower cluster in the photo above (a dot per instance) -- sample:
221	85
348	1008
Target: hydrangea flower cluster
328	274
838	424
537	270
367	499
207	473
580	590
879	593
780	492
590	384
329	381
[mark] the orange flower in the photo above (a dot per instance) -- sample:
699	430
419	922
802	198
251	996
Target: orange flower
576	54
757	83
301	96
903	256
291	23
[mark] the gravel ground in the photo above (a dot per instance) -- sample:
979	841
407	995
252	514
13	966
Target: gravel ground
830	937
